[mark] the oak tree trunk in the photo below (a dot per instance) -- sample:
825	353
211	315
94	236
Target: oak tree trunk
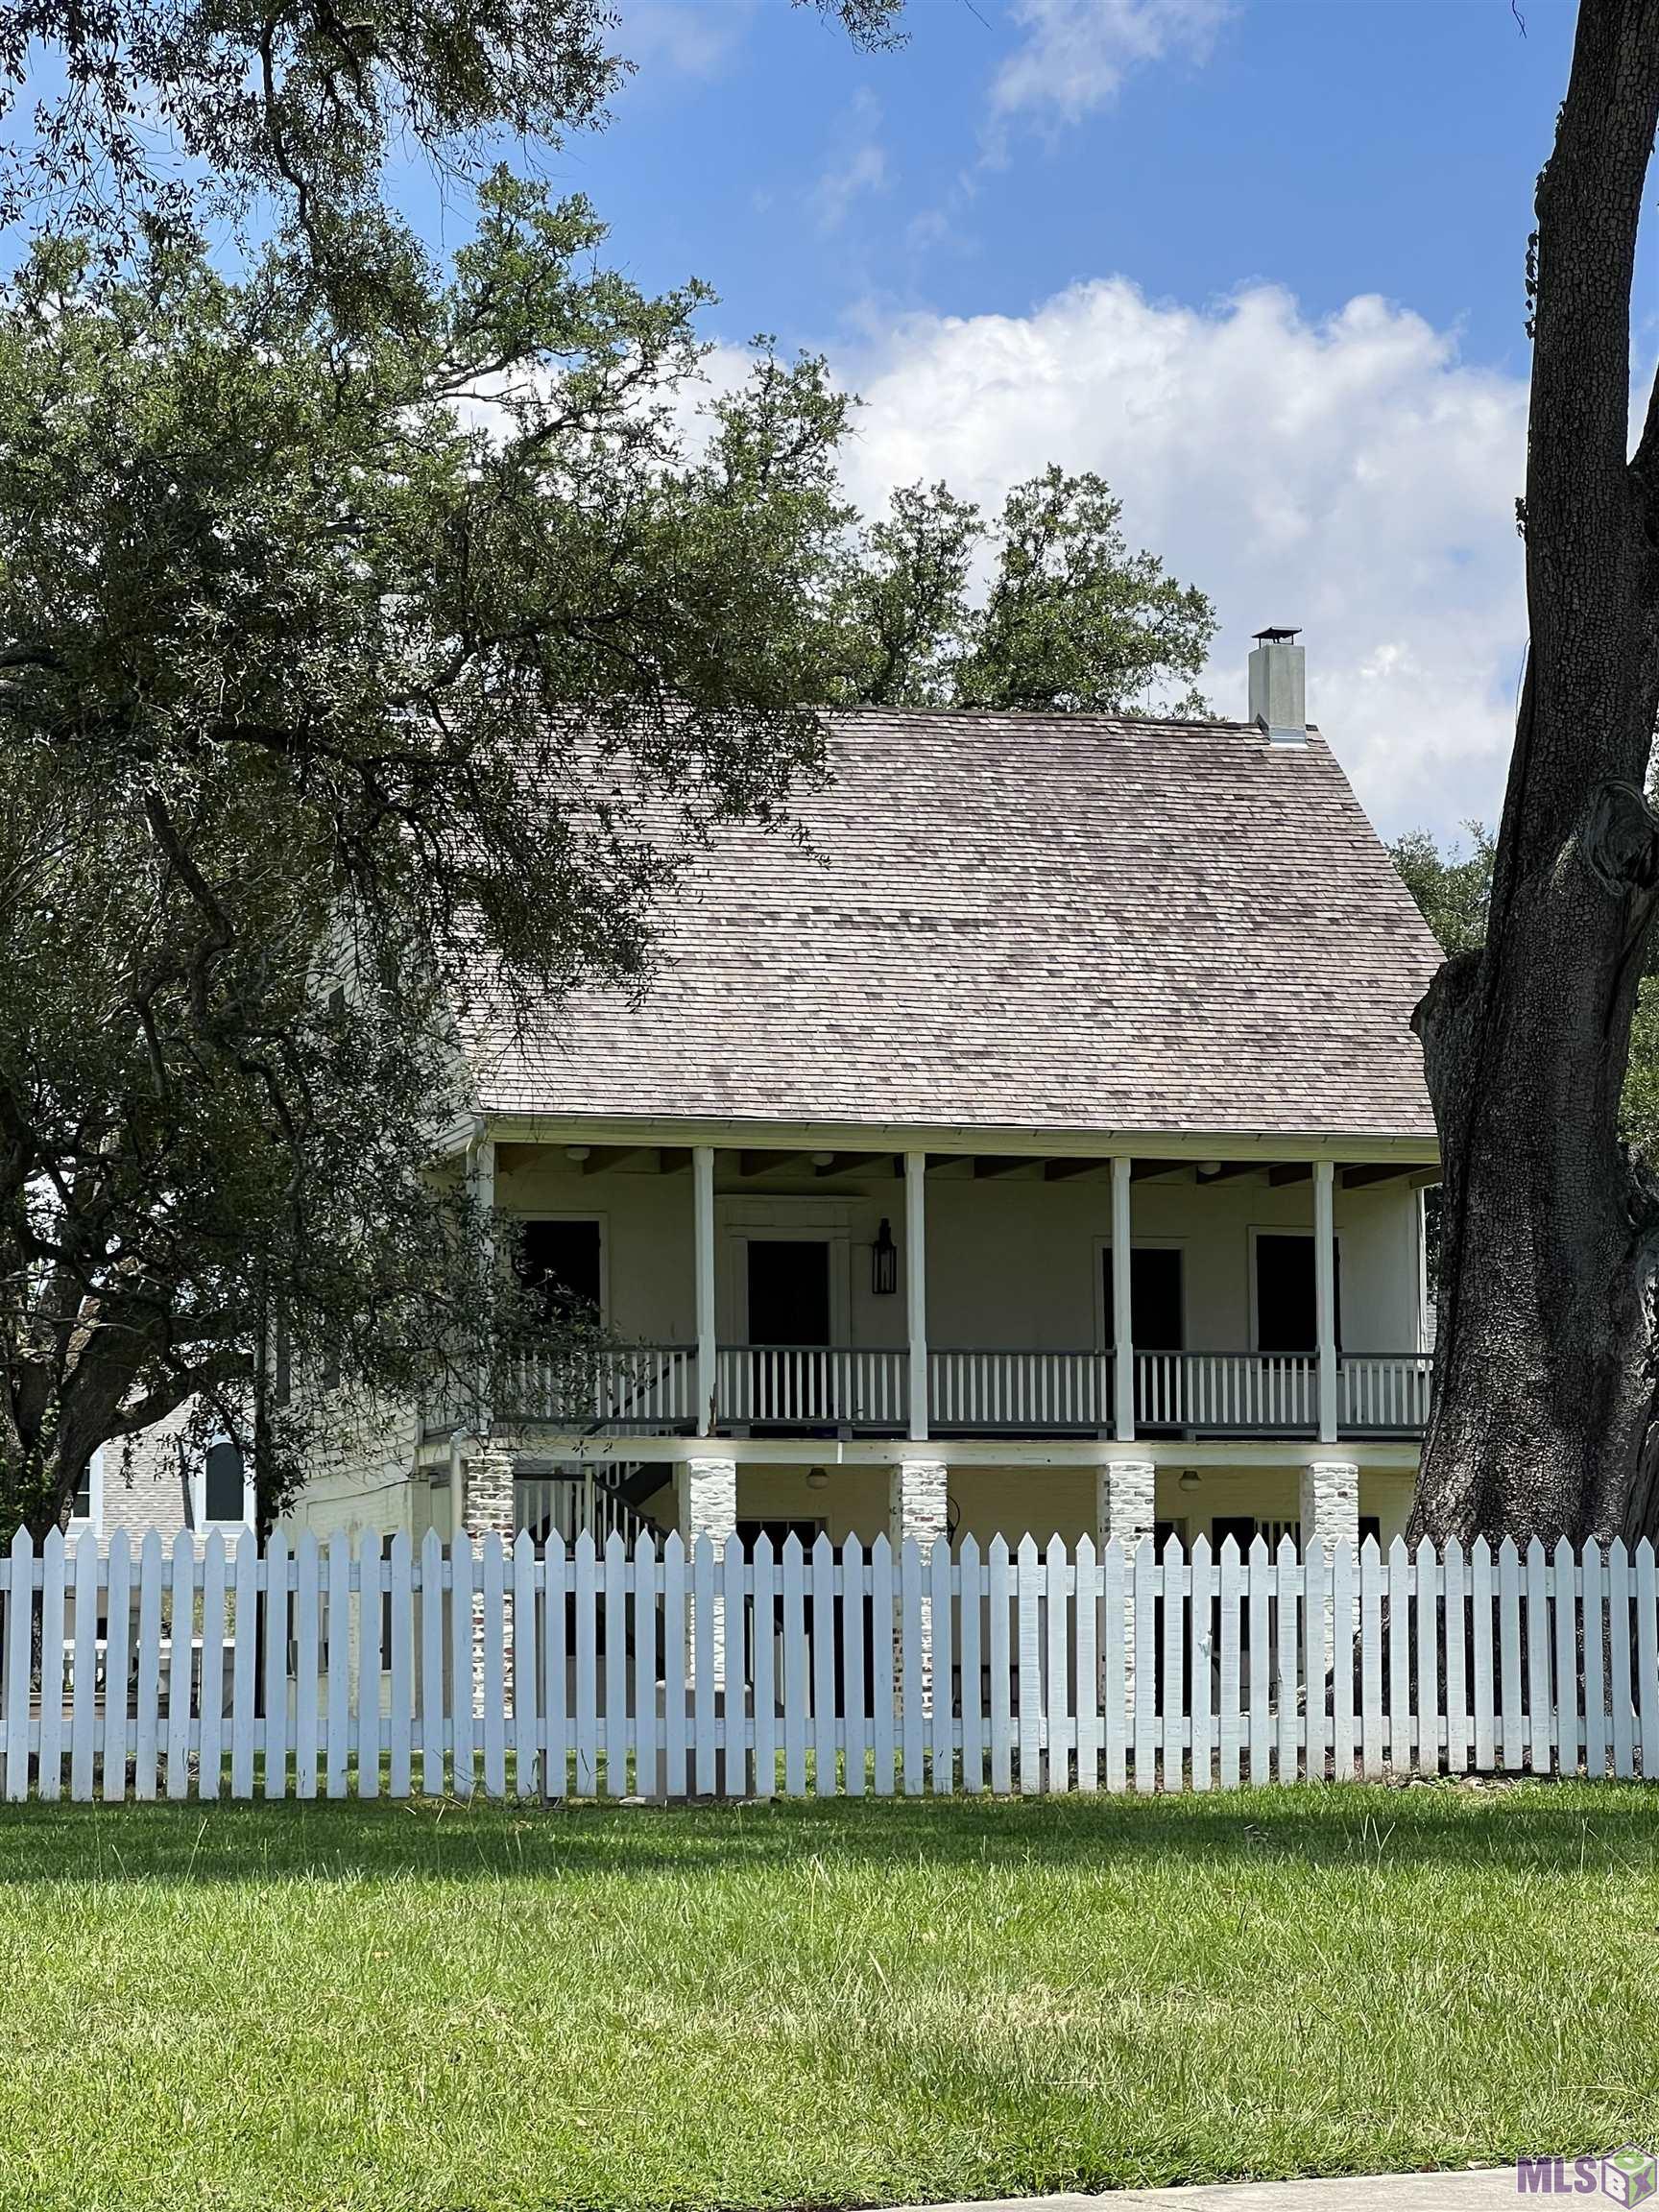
1545	1367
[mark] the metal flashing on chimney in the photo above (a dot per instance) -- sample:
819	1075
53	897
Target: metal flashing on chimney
1279	686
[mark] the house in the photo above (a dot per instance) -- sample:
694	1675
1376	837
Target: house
1039	1146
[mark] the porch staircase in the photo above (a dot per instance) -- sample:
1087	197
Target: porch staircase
579	1498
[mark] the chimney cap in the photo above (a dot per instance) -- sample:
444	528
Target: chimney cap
1277	637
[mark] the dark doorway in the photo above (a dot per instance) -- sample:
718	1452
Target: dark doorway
1287	1303
788	1293
558	1266
1156	1321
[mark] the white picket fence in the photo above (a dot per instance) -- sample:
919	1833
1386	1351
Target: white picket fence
582	1671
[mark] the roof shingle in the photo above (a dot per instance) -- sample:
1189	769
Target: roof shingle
1042	921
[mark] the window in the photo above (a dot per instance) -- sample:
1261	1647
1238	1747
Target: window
788	1292
1287	1304
558	1263
1156	1317
224	1484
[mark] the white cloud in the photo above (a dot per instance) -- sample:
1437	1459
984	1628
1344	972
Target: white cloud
858	166
1075	54
692	37
1352	475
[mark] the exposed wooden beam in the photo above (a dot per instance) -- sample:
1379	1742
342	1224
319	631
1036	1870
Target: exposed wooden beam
768	1162
604	1156
939	1162
1356	1178
1143	1170
858	1163
1228	1171
1000	1164
673	1159
1064	1171
1289	1172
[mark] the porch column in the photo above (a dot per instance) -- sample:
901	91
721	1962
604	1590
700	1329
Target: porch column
489	1505
1122	1314
1126	1508
1325	1292
1331	1516
916	1288
484	1196
918	1506
703	1219
707	1497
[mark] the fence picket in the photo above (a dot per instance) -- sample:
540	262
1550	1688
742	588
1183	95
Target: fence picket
148	1718
734	1765
1566	1661
527	1672
1480	1626
1619	1658
795	1658
1231	1716
1344	1615
703	1666
337	1724
823	1584
463	1738
881	1690
765	1574
1457	1657
1145	1635
211	1750
586	1715
1087	1617
944	1668
616	1673
1316	1620
997	1600
19	1641
646	1760
83	1713
306	1581
1594	1613
401	1669
855	1697
1538	1700
1648	1648
912	1696
1399	1728
1286	1672
117	1652
431	1665
1371	1660
1261	1742
49	1769
1173	1691
674	1778
1509	1713
556	1662
371	1622
1428	1625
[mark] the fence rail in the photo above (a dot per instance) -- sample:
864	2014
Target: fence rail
584	1672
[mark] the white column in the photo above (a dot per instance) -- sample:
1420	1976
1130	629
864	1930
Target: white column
483	1194
703	1210
488	1504
916	1286
1325	1292
1123	1298
1126	1508
1331	1516
707	1502
919	1507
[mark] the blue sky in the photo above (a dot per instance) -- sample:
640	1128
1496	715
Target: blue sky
1260	262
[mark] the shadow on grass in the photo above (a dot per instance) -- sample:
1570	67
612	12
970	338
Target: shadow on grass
1538	1829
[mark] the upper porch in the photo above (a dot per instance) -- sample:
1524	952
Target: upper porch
828	1289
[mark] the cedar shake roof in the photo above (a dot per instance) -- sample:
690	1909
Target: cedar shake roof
1032	921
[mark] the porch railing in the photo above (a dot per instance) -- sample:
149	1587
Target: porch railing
811	1386
1026	1392
1383	1393
576	1502
637	1386
1228	1393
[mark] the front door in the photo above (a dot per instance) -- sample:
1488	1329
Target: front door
789	1311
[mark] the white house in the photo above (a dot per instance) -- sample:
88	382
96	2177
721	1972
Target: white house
1038	1145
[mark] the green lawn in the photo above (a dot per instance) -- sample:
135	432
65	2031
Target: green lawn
446	2008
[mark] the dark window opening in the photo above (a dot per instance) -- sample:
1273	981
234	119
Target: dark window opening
222	1483
1156	1319
1287	1300
788	1293
558	1263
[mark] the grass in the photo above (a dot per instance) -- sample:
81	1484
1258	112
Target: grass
471	2009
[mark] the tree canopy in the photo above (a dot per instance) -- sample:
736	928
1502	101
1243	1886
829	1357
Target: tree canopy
366	672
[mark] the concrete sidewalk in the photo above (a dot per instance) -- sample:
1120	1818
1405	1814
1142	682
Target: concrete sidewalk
1466	2192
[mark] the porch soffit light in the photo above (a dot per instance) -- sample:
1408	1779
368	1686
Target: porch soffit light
885	1262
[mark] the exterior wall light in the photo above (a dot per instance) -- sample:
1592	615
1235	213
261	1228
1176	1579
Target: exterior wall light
1189	1478
885	1263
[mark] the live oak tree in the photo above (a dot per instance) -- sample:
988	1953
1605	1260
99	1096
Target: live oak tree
1545	1365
